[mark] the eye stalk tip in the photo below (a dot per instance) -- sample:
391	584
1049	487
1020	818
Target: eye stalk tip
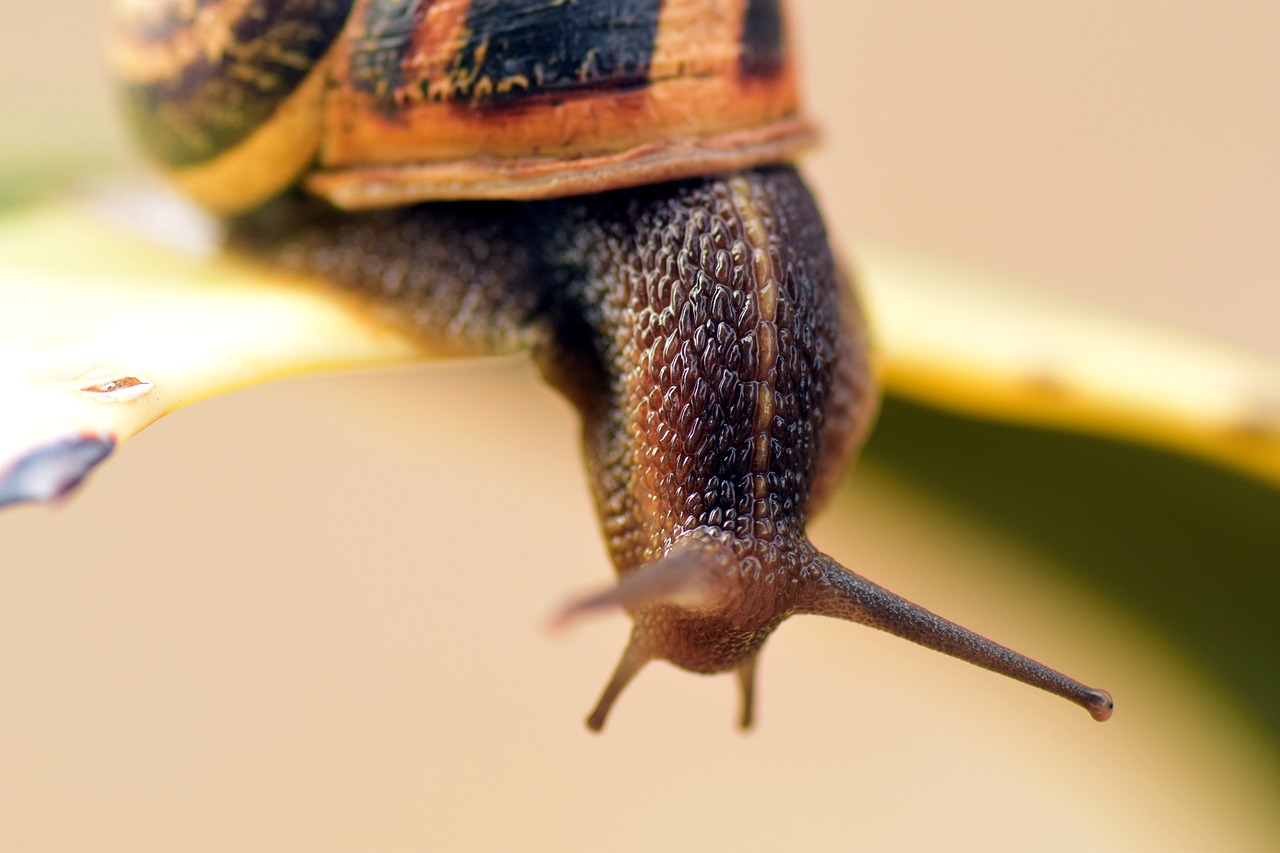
1100	705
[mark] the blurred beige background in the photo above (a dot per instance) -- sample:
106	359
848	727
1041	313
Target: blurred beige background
308	616
1123	151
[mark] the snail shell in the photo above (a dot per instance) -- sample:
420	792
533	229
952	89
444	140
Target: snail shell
386	103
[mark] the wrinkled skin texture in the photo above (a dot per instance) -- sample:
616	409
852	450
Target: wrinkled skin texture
718	362
701	329
715	318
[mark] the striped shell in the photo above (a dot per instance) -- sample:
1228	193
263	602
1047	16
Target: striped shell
385	102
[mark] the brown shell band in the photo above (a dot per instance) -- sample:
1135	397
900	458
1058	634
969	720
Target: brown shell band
199	78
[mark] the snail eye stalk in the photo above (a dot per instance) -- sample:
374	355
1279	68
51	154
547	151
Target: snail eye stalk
842	594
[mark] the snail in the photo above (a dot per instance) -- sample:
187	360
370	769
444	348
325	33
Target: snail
607	185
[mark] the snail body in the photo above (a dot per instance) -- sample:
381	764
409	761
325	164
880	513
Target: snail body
621	206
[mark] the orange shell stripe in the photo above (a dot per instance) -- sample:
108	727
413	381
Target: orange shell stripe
525	99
